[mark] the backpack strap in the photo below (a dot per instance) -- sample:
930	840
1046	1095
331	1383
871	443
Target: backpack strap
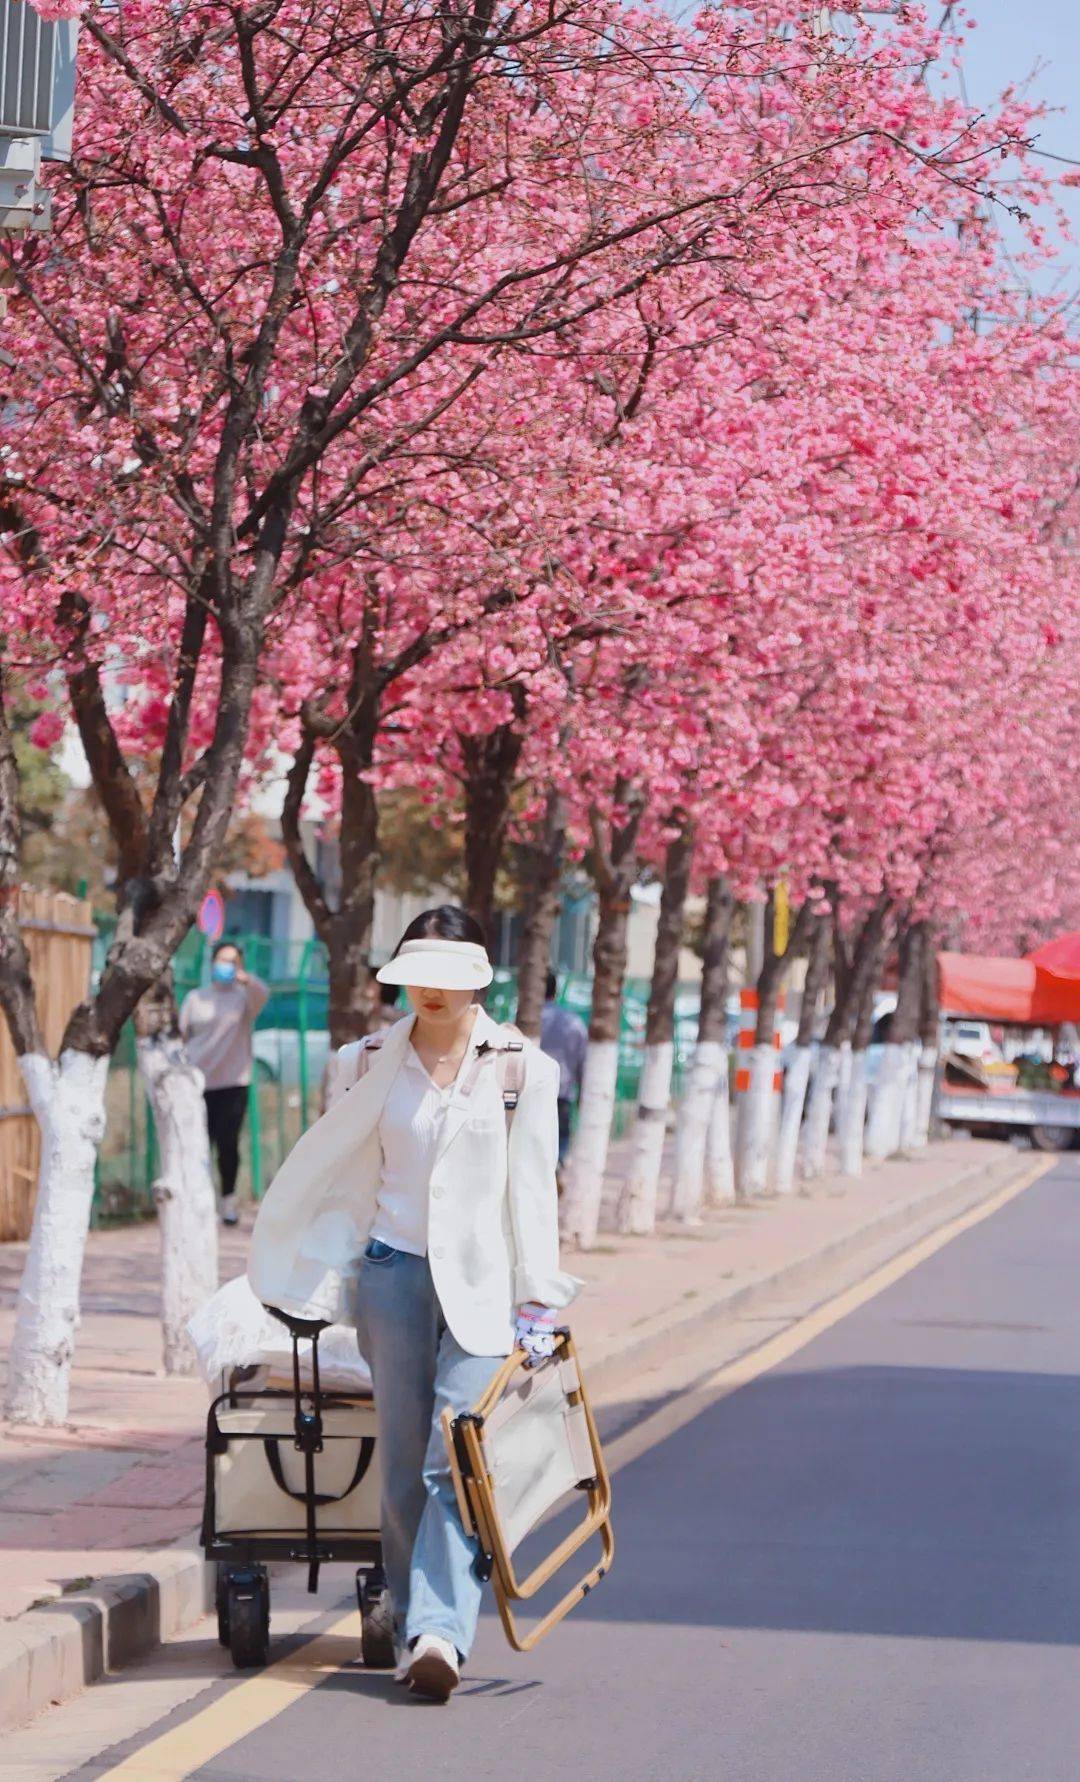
368	1045
510	1069
509	1065
509	1055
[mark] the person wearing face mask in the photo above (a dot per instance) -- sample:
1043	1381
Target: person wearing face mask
217	1024
412	1211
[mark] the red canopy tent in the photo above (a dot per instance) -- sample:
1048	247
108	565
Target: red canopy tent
1020	990
1061	956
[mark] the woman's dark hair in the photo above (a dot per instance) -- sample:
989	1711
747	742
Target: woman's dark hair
235	945
448	922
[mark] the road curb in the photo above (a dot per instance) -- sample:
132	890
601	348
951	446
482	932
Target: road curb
49	1654
906	1224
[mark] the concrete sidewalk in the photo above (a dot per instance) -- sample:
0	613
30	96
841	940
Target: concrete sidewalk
97	1520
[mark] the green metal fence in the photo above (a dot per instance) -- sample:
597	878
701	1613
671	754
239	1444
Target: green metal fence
291	1049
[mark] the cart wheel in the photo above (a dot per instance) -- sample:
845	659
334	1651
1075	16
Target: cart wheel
376	1619
221	1602
1052	1138
248	1610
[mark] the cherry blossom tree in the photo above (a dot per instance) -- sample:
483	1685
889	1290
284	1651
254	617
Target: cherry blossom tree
462	372
218	349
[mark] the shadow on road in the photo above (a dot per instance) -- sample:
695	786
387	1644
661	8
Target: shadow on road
927	1502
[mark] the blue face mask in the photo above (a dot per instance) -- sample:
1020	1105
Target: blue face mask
223	971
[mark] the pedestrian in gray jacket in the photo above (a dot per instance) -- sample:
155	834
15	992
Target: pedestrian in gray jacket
217	1024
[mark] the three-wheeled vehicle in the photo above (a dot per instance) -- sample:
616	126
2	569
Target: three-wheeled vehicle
1027	1083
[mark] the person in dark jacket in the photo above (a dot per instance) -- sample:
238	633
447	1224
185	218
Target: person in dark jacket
564	1037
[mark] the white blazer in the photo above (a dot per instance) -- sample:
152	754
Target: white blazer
493	1233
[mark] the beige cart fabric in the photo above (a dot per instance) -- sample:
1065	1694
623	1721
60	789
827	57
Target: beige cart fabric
537	1446
247	1496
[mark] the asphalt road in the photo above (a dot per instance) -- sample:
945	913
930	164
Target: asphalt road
862	1567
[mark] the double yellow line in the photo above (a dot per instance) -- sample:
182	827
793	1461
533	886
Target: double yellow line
248	1706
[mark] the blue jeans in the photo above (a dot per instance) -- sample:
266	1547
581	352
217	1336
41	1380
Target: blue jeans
418	1369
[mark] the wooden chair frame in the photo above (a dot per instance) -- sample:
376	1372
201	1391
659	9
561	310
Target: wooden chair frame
473	1486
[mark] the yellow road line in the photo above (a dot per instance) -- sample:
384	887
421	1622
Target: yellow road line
244	1709
248	1706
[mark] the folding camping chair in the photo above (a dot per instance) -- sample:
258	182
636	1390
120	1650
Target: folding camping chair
530	1442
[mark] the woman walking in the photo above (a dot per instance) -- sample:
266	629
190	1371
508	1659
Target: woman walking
411	1211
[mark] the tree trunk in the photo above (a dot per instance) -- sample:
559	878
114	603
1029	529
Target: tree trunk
832	1073
490	766
853	1117
756	1129
545	869
819	1113
843	1085
348	932
345	931
184	1187
909	1103
637	1214
797	1075
719	1161
890	1089
616	870
852	1128
68	1099
183	1192
705	1099
929	1023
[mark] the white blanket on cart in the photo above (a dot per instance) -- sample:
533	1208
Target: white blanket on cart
234	1330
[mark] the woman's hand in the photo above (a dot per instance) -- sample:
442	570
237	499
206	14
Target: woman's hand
535	1332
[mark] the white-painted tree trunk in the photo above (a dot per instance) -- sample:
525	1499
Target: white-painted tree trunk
756	1124
68	1099
852	1129
887	1102
708	1070
587	1161
719	1162
924	1094
183	1191
819	1113
843	1085
796	1079
637	1213
909	1106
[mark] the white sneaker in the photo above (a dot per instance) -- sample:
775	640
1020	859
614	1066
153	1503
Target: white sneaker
433	1668
229	1212
404	1660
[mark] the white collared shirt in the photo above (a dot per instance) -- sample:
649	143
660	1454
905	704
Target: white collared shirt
410	1127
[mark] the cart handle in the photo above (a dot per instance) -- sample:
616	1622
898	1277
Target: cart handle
300	1327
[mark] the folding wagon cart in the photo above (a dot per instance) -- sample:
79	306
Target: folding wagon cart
290	1476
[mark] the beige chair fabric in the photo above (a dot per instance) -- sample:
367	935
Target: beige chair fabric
527	1446
536	1441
